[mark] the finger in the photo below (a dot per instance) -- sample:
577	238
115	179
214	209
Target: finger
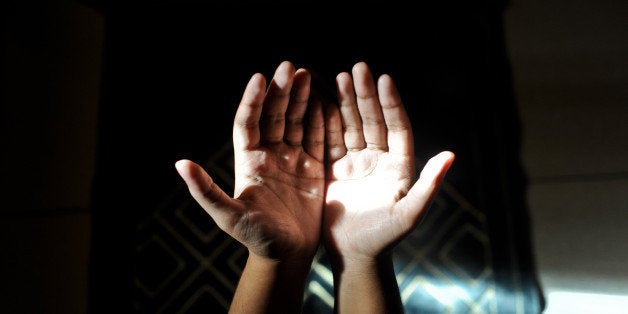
314	141
336	148
297	107
421	194
208	194
351	121
373	123
397	122
246	132
275	104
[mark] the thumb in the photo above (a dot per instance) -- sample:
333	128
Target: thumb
423	191
207	193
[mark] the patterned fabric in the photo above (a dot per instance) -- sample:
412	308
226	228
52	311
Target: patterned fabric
186	264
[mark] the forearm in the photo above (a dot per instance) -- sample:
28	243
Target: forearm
366	286
270	286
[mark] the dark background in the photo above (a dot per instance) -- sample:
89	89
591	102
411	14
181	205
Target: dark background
569	71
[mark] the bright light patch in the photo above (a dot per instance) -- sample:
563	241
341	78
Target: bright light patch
563	302
446	295
359	195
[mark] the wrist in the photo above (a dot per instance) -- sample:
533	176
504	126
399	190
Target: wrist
293	265
362	264
270	286
368	278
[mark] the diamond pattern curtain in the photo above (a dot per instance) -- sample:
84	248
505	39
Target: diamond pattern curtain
185	263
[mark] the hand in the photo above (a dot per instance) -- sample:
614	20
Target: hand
279	174
372	201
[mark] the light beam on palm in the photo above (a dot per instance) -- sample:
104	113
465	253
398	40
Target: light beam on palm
372	200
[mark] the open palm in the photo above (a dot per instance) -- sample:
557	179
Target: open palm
372	200
279	178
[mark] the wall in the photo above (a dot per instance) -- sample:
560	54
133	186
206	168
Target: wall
571	73
50	81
